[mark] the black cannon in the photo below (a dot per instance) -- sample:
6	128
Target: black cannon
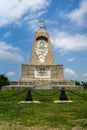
29	96
63	95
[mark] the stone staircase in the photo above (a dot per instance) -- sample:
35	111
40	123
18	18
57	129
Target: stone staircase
43	84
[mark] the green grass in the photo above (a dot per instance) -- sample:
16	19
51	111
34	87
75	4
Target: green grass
47	113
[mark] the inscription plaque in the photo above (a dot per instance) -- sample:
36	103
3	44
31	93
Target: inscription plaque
42	72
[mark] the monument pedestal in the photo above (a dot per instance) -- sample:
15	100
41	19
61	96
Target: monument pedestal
42	72
43	76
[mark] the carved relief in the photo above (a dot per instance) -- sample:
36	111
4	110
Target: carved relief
41	50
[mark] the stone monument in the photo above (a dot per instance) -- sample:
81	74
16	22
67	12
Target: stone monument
42	72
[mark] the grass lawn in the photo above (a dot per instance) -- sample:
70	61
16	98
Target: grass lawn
46	115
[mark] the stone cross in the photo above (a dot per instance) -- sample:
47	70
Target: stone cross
41	23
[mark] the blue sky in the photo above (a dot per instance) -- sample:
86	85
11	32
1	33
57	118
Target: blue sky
66	23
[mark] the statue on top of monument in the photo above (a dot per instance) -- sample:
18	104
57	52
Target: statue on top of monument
41	23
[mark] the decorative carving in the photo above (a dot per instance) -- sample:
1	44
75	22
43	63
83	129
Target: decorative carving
41	50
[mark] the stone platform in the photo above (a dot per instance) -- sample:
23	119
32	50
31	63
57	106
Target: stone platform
43	84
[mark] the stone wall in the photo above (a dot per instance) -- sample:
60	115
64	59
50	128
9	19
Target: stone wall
57	72
28	71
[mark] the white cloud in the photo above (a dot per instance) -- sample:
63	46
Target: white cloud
84	76
11	73
78	15
33	24
51	22
12	10
9	53
67	42
71	59
7	34
34	15
69	73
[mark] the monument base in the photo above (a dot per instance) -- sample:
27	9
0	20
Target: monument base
43	84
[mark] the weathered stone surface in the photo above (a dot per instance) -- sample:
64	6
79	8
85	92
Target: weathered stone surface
34	60
43	74
29	73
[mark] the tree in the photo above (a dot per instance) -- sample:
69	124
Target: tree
77	83
84	84
4	80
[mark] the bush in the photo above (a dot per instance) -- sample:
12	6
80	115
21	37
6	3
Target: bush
3	80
